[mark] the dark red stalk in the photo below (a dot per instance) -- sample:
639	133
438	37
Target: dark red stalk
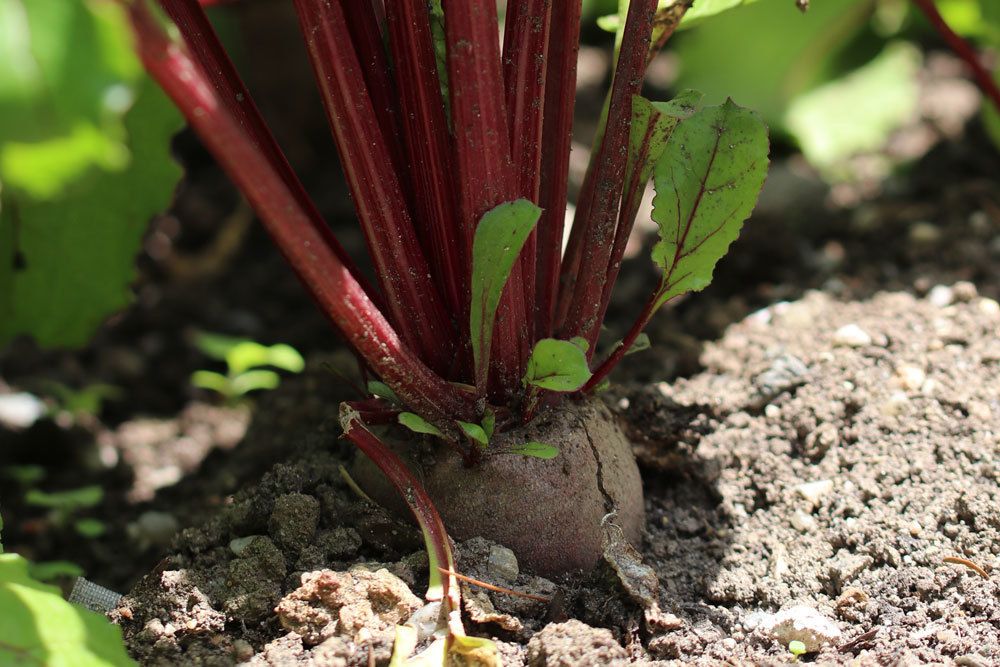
609	172
557	135
428	148
413	493
210	55
482	150
324	275
362	24
413	301
631	200
963	50
525	54
619	352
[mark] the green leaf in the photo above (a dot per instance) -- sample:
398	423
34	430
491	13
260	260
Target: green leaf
475	432
580	342
212	381
538	450
38	627
652	125
53	569
382	390
707	183
858	112
489	423
254	380
641	343
85	496
557	365
770	72
418	424
702	9
499	237
216	346
66	263
90	528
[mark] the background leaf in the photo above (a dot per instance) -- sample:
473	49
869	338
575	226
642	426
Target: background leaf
80	177
557	365
707	183
499	237
856	113
38	627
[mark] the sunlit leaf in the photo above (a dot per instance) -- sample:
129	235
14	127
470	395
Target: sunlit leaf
85	496
254	380
857	113
39	627
707	183
557	365
499	237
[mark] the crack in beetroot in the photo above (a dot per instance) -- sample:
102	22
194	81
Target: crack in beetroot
609	502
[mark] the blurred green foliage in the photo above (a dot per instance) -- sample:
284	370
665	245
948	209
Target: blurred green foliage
39	627
84	163
245	365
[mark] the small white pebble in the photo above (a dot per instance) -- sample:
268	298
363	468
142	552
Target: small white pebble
803	522
772	411
915	529
910	378
988	307
964	291
815	491
851	335
941	296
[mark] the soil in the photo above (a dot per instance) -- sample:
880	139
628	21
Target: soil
816	433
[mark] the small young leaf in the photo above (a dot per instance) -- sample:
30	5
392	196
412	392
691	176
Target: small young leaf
538	450
418	424
90	528
475	432
499	237
641	343
212	381
254	380
707	182
382	390
557	365
580	342
85	496
489	423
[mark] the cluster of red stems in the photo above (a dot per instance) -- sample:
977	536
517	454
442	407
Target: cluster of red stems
422	176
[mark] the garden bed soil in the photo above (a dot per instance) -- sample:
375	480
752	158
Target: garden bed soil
832	456
790	463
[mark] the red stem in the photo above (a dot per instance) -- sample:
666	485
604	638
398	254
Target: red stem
428	148
324	275
413	493
208	52
618	353
414	304
963	50
482	149
557	135
362	23
609	173
525	54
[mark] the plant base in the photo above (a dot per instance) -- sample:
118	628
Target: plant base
549	512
